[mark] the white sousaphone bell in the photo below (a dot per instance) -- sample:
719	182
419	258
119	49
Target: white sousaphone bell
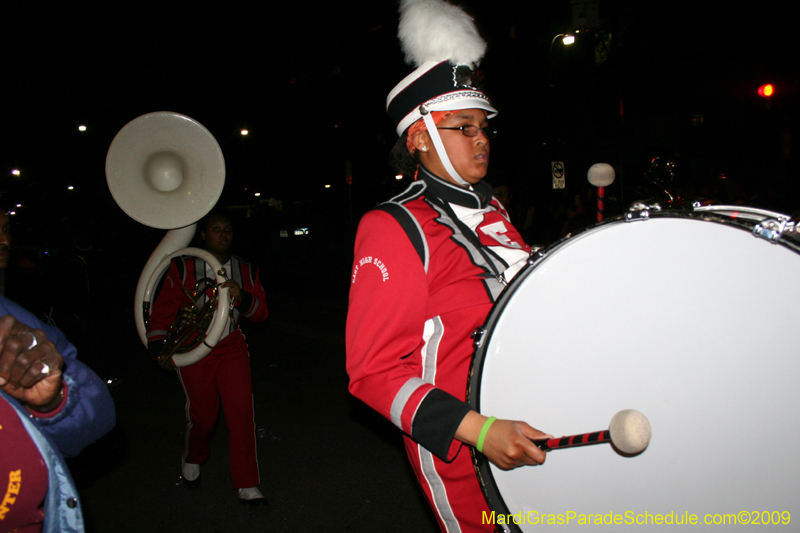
167	171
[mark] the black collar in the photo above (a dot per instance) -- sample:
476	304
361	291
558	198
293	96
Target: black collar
476	198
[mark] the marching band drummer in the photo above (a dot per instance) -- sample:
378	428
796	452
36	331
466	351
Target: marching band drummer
428	266
223	374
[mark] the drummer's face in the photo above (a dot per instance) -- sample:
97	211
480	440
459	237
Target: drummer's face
469	155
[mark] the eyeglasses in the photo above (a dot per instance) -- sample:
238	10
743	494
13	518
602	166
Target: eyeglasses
470	130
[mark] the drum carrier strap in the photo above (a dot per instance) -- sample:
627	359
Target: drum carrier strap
411	226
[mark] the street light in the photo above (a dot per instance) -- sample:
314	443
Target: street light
566	39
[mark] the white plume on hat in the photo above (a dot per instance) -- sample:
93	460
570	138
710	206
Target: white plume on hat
434	30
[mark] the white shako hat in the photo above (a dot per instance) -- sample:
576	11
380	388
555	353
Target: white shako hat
441	40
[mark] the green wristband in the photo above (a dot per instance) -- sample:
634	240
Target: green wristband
484	431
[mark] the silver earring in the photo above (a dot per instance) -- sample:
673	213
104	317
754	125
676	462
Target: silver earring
424	148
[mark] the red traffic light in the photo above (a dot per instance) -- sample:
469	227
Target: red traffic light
766	90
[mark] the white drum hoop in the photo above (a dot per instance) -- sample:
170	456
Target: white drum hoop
561	386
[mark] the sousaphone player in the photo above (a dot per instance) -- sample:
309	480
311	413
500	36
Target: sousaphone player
224	374
166	171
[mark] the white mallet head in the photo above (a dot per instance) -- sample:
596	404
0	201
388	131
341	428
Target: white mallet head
630	431
601	174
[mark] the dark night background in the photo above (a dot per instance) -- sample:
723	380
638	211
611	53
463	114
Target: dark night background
650	79
646	79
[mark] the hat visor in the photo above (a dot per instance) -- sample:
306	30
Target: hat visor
448	104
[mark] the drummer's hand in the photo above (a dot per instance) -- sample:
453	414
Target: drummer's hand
508	443
31	374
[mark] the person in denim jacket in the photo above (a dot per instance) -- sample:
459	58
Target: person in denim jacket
51	407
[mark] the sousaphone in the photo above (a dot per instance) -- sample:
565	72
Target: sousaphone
166	170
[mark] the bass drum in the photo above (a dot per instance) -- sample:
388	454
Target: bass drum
686	317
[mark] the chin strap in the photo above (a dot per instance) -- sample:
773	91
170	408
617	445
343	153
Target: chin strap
437	143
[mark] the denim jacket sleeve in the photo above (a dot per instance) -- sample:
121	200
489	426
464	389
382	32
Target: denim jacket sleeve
89	411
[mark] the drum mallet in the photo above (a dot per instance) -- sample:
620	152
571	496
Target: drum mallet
601	175
629	432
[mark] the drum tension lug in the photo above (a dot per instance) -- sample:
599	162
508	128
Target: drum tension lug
537	253
477	336
640	211
771	229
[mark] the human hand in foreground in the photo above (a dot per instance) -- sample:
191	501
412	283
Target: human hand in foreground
508	443
30	365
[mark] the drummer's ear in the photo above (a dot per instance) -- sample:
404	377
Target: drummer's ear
421	140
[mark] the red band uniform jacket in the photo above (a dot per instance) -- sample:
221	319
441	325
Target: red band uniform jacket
410	319
183	273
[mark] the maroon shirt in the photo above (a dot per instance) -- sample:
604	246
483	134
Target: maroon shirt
23	476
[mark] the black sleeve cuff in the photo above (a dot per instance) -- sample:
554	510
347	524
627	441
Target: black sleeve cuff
436	422
155	348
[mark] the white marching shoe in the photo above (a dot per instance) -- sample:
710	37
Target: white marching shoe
190	474
252	498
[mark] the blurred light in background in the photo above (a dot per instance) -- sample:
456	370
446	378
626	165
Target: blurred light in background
766	90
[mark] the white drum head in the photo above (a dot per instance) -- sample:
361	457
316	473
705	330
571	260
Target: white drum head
690	322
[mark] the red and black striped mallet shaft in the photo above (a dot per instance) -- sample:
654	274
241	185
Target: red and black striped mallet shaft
601	203
574	440
629	432
601	175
